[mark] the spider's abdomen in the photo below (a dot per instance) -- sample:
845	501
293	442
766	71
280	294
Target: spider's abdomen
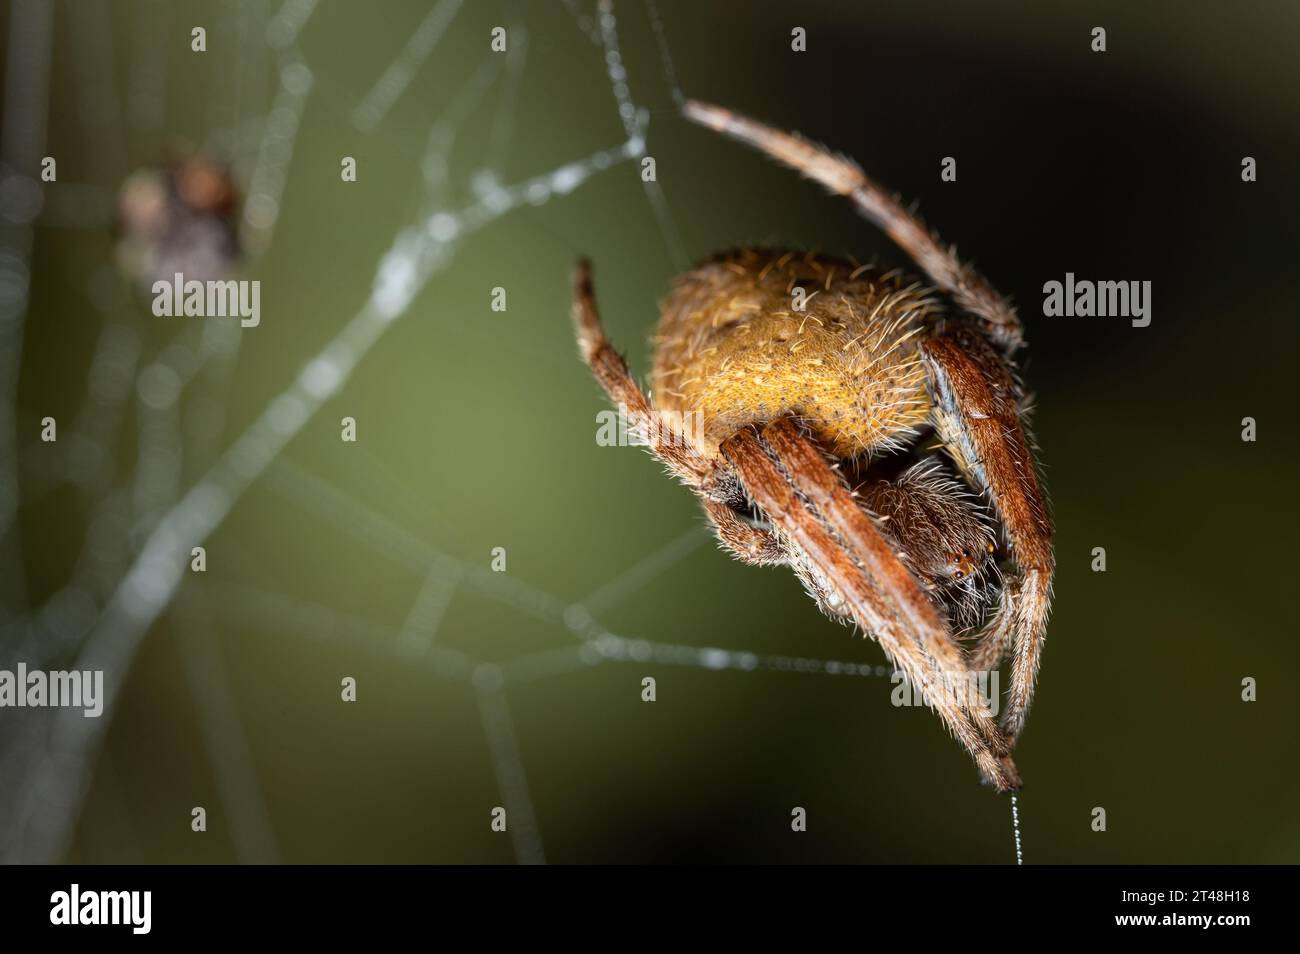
754	334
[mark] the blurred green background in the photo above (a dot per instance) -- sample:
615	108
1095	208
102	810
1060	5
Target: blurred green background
477	430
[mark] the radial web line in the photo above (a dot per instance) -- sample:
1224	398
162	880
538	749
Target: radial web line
512	782
665	57
634	124
372	109
222	731
645	570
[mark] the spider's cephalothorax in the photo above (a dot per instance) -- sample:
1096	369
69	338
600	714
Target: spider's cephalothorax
815	383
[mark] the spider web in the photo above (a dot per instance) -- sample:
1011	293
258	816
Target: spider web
141	528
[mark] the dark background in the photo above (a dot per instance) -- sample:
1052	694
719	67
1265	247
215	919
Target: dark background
477	431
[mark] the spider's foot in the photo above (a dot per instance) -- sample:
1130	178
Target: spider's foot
1002	775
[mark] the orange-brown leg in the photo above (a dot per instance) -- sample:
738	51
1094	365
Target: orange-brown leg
750	544
968	288
828	492
706	477
861	572
977	416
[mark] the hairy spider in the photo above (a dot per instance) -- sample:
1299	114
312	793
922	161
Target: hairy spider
814	381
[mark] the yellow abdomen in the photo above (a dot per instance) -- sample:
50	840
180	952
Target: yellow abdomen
735	347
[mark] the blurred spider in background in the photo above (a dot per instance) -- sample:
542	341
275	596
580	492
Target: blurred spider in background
816	381
178	219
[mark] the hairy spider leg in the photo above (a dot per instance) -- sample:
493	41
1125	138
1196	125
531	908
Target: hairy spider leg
812	473
978	417
842	176
709	479
772	490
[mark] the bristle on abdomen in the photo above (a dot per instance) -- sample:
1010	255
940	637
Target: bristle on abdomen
755	334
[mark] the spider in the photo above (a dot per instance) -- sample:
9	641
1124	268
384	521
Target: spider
179	218
815	381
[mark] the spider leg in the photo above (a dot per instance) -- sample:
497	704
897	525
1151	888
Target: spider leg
998	637
868	595
977	416
841	175
747	543
702	475
850	522
707	478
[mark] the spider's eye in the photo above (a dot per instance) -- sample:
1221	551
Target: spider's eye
958	575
